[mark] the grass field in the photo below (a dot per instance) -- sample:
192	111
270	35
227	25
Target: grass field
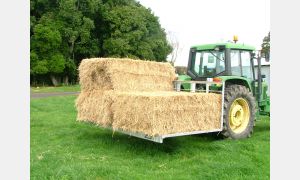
62	148
43	89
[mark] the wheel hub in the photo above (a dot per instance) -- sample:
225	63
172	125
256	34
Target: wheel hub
239	115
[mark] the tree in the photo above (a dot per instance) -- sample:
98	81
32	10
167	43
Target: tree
266	44
174	42
45	57
56	36
74	27
133	31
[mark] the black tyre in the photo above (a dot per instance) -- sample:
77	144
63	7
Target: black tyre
239	112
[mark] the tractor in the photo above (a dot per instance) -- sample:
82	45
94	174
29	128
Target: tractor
245	95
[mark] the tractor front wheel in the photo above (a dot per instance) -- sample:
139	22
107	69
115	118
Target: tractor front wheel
239	112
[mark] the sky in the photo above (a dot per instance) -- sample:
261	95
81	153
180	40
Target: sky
194	22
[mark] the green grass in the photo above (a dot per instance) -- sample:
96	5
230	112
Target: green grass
62	148
44	89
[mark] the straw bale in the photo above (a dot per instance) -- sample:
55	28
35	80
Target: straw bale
151	113
159	113
94	106
125	75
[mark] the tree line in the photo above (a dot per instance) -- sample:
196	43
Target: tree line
63	32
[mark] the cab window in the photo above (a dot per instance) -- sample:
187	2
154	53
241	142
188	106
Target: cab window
208	63
247	70
235	63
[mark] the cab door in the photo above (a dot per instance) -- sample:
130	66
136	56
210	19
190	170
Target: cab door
247	68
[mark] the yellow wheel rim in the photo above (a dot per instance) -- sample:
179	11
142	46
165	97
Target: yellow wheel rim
239	115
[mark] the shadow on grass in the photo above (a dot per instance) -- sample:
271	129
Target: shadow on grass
103	138
123	142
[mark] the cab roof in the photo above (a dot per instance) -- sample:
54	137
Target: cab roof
227	45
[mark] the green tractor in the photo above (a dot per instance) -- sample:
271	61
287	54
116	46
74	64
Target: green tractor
245	96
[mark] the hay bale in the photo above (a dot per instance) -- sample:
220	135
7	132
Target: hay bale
94	106
151	113
125	75
160	113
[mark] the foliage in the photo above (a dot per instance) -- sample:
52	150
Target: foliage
130	35
266	44
63	33
62	148
45	43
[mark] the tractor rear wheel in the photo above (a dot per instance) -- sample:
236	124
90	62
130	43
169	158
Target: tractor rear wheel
239	112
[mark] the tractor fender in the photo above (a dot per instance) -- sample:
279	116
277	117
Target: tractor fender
229	80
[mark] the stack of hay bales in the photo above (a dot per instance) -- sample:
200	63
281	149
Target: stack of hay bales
138	96
125	75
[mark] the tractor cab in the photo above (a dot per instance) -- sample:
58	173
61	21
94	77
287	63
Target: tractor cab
223	59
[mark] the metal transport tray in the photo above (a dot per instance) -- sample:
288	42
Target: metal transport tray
159	139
